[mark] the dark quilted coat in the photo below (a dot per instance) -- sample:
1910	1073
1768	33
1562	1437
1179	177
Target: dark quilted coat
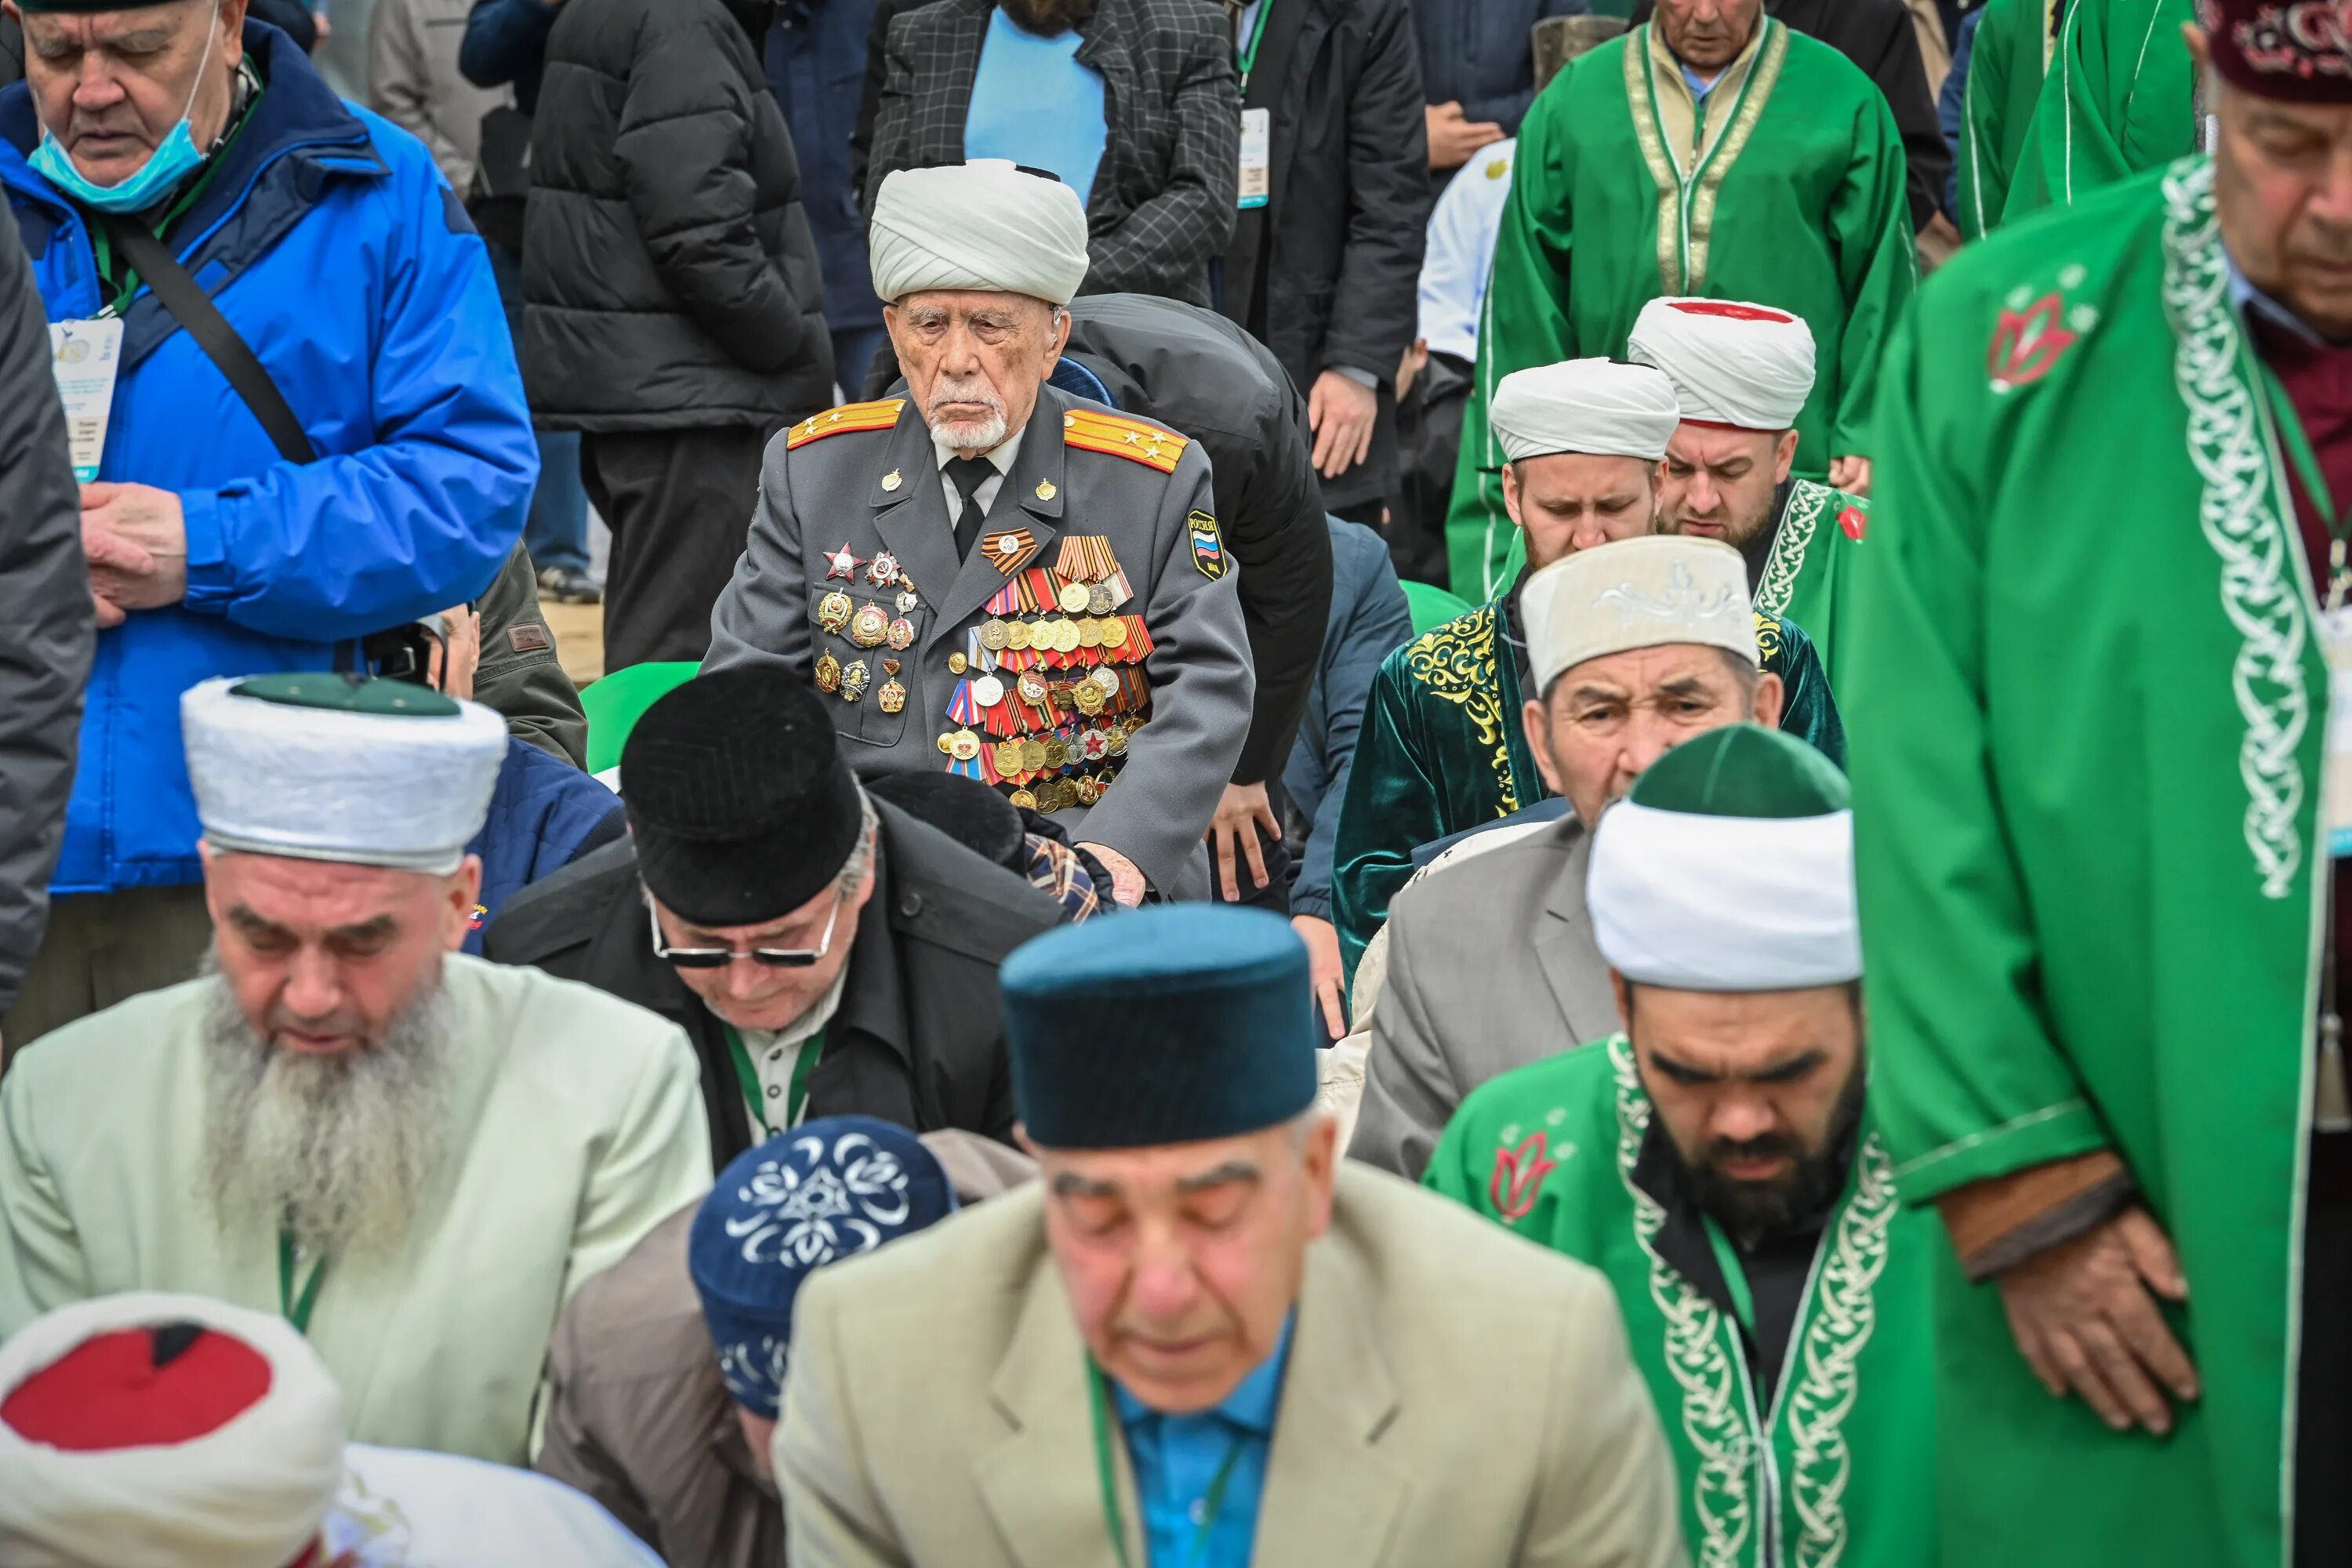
669	276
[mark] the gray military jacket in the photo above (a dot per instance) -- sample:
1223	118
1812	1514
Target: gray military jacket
864	478
1459	1008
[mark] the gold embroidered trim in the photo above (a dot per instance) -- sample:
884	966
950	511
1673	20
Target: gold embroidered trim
1767	637
1753	94
1456	663
1665	172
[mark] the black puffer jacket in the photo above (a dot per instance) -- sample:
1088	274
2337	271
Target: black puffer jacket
669	278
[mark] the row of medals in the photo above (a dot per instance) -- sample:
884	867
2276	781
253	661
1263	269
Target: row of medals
1097	630
870	626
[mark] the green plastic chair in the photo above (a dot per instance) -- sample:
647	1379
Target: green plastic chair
1431	606
614	704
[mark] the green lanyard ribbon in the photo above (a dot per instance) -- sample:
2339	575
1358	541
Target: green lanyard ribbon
747	1077
1735	1278
1212	1503
1246	57
295	1309
2297	443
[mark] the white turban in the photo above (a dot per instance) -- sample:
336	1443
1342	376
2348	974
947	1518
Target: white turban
217	1443
981	226
1746	367
1595	406
1729	868
1650	591
316	767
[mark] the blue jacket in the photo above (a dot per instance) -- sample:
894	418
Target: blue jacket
1481	54
1369	619
817	67
333	246
544	815
506	41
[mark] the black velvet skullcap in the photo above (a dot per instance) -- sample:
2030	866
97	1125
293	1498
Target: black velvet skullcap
966	810
739	802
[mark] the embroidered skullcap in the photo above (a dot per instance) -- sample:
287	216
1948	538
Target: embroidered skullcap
1649	591
1730	867
1749	367
166	1431
1595	406
988	225
322	766
1171	1024
741	804
2298	51
829	1189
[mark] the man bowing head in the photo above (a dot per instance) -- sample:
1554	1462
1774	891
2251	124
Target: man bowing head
1200	1339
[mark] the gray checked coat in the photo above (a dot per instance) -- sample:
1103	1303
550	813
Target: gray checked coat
1163	201
878	489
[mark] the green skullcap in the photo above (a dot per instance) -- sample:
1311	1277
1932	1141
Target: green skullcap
84	7
1744	770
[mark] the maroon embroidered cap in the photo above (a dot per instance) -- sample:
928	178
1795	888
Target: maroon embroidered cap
2299	50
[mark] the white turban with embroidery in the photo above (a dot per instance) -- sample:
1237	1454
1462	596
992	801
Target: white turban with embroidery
1650	591
985	226
1593	406
1749	367
148	1429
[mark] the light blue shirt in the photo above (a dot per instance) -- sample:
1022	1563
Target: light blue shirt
1700	87
1177	1458
1033	103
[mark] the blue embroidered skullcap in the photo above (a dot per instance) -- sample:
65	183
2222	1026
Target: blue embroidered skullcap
830	1188
1171	1024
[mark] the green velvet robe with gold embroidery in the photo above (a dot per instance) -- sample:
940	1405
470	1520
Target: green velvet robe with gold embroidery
1442	749
1793	196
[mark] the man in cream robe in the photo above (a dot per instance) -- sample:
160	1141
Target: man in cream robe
558	1125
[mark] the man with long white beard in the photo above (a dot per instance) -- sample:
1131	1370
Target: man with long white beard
414	1156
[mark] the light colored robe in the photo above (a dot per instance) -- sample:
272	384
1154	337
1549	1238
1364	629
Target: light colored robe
576	1125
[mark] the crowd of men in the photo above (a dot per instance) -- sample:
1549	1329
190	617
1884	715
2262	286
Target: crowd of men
1757	1023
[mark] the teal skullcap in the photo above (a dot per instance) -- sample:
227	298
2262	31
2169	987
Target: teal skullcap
1167	1024
84	7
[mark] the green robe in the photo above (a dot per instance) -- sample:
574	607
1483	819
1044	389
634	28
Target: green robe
1798	201
2120	97
2086	771
1551	1151
2011	56
1442	749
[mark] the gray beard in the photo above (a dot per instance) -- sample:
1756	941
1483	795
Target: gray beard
333	1150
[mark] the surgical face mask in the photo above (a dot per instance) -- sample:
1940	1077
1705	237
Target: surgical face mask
173	161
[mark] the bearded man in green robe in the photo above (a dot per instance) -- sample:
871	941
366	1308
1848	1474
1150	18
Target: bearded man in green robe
2089	661
1716	1163
2006	68
1710	151
1442	749
1741	376
2120	97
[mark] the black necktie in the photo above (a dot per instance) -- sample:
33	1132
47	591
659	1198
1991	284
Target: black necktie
967	474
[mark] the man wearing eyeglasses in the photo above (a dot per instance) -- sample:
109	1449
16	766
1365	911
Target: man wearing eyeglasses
826	953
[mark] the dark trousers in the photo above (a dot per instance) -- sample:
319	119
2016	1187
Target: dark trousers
104	948
2322	1489
679	504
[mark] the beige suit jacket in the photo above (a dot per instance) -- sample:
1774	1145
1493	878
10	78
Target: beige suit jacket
1454	1397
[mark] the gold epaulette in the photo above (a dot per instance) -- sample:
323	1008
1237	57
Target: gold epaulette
1123	437
848	416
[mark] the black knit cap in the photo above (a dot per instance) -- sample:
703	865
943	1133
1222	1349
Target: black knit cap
738	799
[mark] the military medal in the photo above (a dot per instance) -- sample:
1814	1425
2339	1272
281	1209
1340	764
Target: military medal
833	611
883	570
1032	687
1087	698
1058	752
901	633
1073	598
988	691
1094	744
828	673
1016	635
841	563
892	697
1008	758
1065	636
1033	755
963	746
1022	798
908	599
1089	790
1114	632
869	627
855	677
1009	551
946	741
1090	633
1099	600
993	633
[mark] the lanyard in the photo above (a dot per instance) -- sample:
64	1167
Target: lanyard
2297	442
747	1077
1106	1477
1248	53
295	1309
1734	1279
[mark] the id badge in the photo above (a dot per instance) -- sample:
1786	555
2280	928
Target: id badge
1257	156
87	356
2335	639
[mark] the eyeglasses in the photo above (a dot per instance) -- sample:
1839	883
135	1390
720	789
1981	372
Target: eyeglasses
720	957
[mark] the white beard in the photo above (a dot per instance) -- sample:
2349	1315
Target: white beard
335	1150
981	435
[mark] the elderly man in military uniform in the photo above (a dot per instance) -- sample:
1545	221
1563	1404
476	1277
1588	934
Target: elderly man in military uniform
992	576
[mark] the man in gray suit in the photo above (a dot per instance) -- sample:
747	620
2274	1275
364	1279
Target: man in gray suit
1636	646
1024	580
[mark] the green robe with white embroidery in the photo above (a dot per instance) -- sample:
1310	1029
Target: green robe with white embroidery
2087	700
1793	197
1835	1472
